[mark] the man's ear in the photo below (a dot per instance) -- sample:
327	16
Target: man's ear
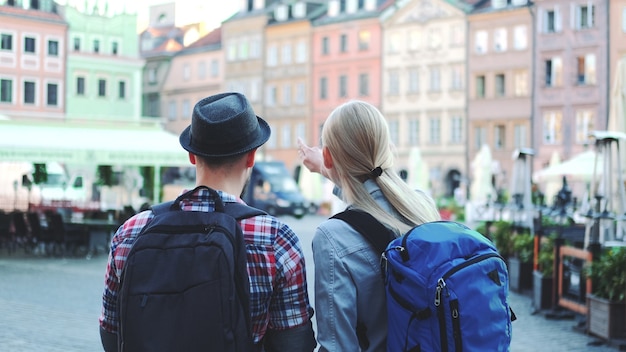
328	159
250	158
192	159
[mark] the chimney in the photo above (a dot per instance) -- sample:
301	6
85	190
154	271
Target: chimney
299	9
281	13
333	8
498	4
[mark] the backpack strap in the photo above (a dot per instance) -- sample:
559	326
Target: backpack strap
367	225
236	210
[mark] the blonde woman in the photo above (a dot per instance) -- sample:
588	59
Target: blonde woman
357	156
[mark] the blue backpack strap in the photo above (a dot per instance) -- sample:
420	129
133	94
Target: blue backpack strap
368	227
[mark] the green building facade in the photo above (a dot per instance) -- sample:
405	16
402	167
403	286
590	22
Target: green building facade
104	68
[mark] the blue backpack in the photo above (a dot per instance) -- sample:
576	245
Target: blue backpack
447	286
184	286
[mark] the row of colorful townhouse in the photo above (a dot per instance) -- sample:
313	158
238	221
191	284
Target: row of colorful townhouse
448	75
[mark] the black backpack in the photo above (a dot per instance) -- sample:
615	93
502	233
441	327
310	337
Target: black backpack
184	286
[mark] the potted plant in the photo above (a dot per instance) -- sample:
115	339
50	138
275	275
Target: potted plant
543	276
607	301
502	237
521	262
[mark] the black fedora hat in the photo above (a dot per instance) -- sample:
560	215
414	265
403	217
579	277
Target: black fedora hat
224	125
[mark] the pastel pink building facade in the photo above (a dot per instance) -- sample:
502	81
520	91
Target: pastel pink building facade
32	63
346	65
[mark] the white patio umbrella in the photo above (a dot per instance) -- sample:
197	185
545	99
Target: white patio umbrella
481	188
579	167
552	185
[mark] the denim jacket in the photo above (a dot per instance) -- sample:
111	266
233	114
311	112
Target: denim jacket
349	289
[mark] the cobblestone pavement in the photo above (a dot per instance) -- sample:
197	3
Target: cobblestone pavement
53	304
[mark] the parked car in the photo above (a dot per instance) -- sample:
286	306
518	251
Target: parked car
273	189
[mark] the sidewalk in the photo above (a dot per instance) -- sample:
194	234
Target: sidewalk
53	304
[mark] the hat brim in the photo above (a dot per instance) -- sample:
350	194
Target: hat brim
263	133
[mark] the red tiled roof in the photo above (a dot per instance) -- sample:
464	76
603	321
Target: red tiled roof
213	37
31	14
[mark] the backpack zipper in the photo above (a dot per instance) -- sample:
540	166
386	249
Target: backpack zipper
441	284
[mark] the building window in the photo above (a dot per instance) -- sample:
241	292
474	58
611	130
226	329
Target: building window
343	43
624	19
500	85
53	48
482	38
232	52
552	127
287	94
243	51
114	48
122	90
414	131
434	38
286	54
364	40
499	136
300	93
456	130
519	138
457	35
435	79
499	40
29	45
102	88
343	86
6	91
394	83
435	130
272	56
457	77
270	95
186	72
171	110
255	48
585	16
414	80
285	136
6	42
480	86
301	52
520	37
325	46
301	130
553	74
395	42
76	44
394	131
52	94
584	125
552	21
29	92
364	84
96	46
80	85
480	137
414	40
323	88
152	75
201	70
521	84
186	109
215	68
586	69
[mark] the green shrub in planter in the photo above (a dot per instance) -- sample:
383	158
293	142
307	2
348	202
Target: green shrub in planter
502	237
545	260
608	274
524	246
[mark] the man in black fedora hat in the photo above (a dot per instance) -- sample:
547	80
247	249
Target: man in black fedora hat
222	141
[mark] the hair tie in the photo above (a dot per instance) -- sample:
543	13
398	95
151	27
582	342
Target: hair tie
377	171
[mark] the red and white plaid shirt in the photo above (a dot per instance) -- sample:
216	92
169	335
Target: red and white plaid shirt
278	289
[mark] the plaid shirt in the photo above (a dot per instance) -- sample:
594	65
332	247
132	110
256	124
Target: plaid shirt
278	290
